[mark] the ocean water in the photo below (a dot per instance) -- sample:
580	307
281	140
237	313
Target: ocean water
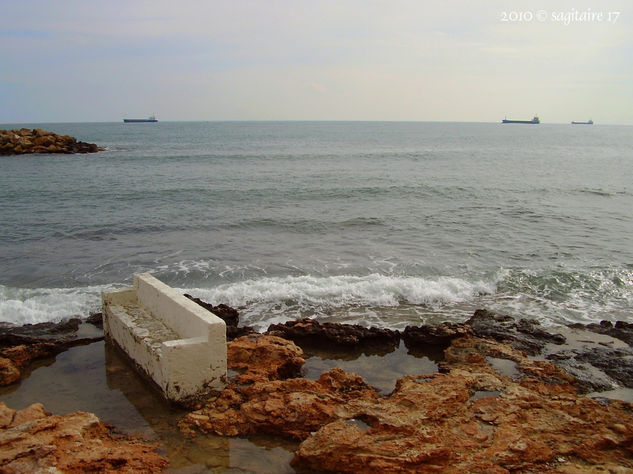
383	224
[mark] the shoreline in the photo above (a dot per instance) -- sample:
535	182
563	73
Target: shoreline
97	379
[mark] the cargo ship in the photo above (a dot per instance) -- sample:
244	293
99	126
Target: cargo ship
151	118
534	120
588	122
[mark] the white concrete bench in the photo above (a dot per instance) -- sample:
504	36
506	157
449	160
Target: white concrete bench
179	344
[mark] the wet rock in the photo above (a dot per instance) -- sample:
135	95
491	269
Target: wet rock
598	362
311	333
617	364
11	335
21	345
229	315
525	335
24	140
96	320
32	440
439	335
620	330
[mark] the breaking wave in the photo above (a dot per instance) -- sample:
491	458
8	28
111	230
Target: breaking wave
30	306
275	299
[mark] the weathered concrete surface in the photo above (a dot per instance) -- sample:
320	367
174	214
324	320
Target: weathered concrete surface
493	410
175	342
25	140
32	440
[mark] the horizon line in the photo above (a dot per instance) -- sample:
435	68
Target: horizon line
302	120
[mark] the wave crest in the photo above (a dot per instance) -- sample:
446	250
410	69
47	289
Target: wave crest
276	299
39	305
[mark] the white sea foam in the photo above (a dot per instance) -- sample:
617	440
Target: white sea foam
374	290
281	298
30	306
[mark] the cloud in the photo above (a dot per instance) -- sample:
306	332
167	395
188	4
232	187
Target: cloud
317	87
247	59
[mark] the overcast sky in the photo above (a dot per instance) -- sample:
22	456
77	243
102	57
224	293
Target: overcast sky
448	60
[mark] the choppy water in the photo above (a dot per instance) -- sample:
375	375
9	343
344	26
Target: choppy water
379	223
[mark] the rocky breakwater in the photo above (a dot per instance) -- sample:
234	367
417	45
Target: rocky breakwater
497	403
26	140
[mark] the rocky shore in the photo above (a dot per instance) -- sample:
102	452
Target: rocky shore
508	395
26	140
33	440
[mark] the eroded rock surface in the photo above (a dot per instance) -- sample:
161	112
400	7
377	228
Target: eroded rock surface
26	140
474	419
264	358
32	440
493	410
292	407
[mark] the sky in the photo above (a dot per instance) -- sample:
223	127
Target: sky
409	60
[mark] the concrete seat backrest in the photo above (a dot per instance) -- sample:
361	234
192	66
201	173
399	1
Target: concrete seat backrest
176	311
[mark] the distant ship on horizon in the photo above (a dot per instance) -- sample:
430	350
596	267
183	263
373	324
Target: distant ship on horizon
151	118
534	120
588	122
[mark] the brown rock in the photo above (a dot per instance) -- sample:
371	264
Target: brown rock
32	412
439	423
35	441
15	142
293	407
493	410
43	140
9	373
262	358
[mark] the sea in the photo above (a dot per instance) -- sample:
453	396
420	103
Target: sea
382	224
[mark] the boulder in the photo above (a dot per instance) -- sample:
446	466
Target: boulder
263	358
